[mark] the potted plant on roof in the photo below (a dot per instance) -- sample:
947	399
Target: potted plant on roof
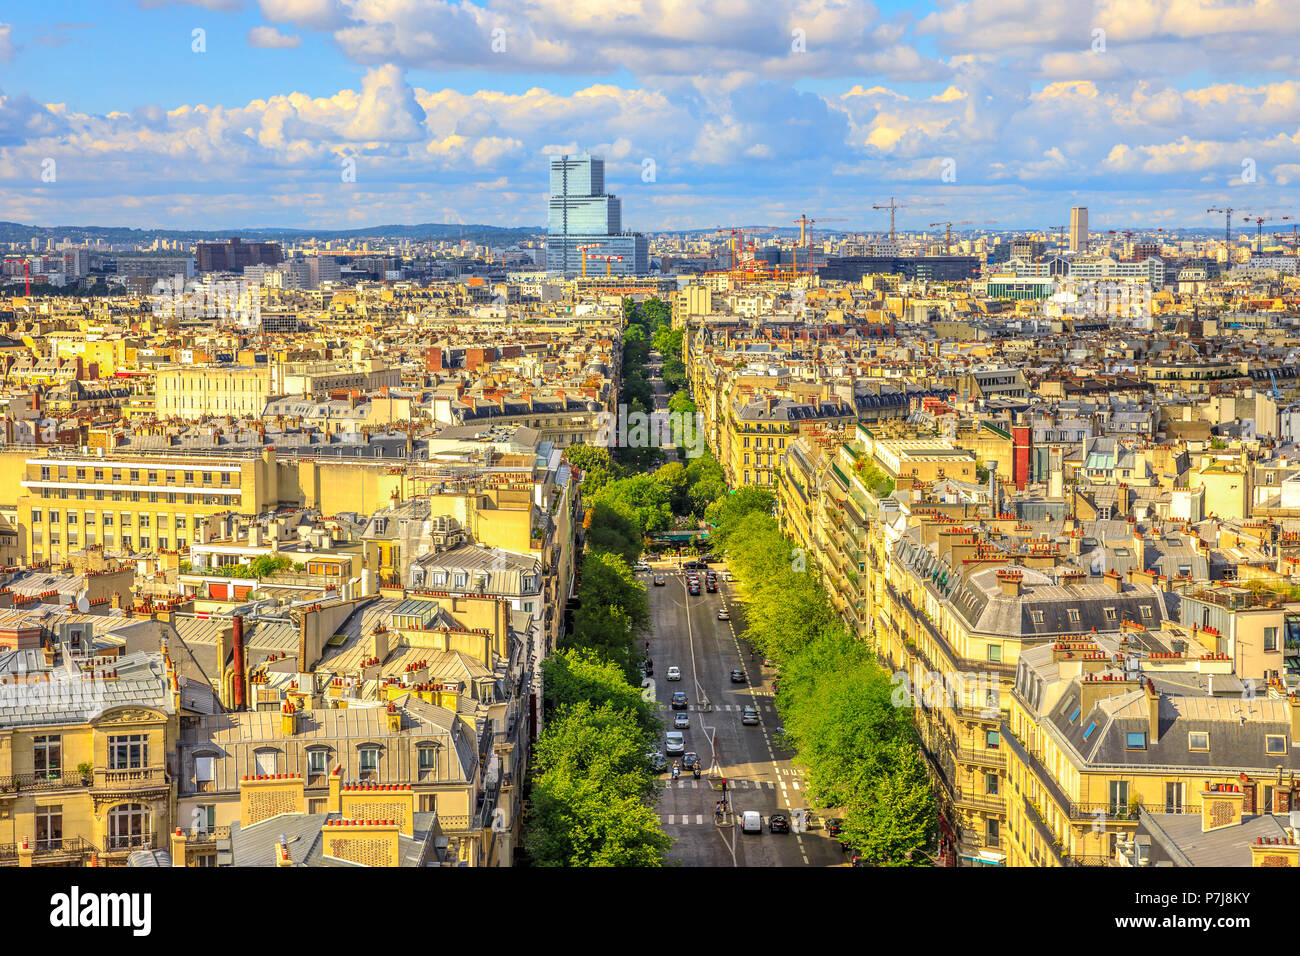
87	771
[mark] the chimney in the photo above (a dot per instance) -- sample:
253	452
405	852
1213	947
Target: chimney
334	803
1293	707
288	719
240	680
178	847
1153	712
394	719
1221	806
1009	581
1114	581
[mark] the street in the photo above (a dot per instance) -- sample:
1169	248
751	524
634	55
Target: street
688	635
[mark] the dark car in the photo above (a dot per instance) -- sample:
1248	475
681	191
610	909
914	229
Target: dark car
711	586
834	825
691	760
679	700
649	667
738	676
660	580
694	590
778	823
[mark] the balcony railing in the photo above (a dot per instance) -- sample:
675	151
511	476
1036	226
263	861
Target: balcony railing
988	758
199	836
983	802
65	780
143	777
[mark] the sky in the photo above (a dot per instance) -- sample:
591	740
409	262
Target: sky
339	114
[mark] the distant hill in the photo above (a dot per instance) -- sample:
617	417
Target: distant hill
479	233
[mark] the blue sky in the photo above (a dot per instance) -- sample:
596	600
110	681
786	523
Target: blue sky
709	112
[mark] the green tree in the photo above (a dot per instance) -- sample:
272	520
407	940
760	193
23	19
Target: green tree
672	477
576	823
615	528
644	497
892	821
613	610
576	675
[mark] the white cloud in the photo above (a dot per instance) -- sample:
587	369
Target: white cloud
7	48
269	38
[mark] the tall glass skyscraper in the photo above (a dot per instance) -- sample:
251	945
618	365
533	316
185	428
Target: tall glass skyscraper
582	214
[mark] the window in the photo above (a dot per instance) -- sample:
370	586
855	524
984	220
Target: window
1145	609
991	784
129	825
128	752
1174	798
36	516
317	762
1119	798
428	758
47	755
1073	615
265	760
1270	638
1198	740
369	762
1110	614
1135	740
49	827
995	653
991	740
1074	714
1275	744
991	832
204	773
1037	616
1092	727
205	817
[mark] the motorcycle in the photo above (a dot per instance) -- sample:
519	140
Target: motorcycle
696	771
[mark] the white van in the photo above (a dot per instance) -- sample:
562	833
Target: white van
751	821
674	742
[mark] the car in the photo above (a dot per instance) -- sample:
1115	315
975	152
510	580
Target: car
694	565
682	721
778	822
674	742
834	826
737	676
691	761
711	587
640	566
694	590
706	558
679	701
724	614
751	821
660	580
658	762
674	673
649	667
749	716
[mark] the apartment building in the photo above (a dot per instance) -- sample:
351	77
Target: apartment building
86	741
211	391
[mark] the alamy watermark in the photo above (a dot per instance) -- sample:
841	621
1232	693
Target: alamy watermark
233	300
978	691
637	429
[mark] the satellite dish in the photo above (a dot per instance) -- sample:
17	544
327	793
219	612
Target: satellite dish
83	602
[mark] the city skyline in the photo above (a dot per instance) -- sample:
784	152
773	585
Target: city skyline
706	116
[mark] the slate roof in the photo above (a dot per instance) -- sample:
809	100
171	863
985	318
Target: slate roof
1180	838
255	845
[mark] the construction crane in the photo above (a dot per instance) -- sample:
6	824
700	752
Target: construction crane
583	250
27	274
1277	395
1259	228
805	228
894	206
947	231
1227	222
608	261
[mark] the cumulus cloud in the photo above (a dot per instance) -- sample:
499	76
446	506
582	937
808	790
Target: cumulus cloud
270	38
